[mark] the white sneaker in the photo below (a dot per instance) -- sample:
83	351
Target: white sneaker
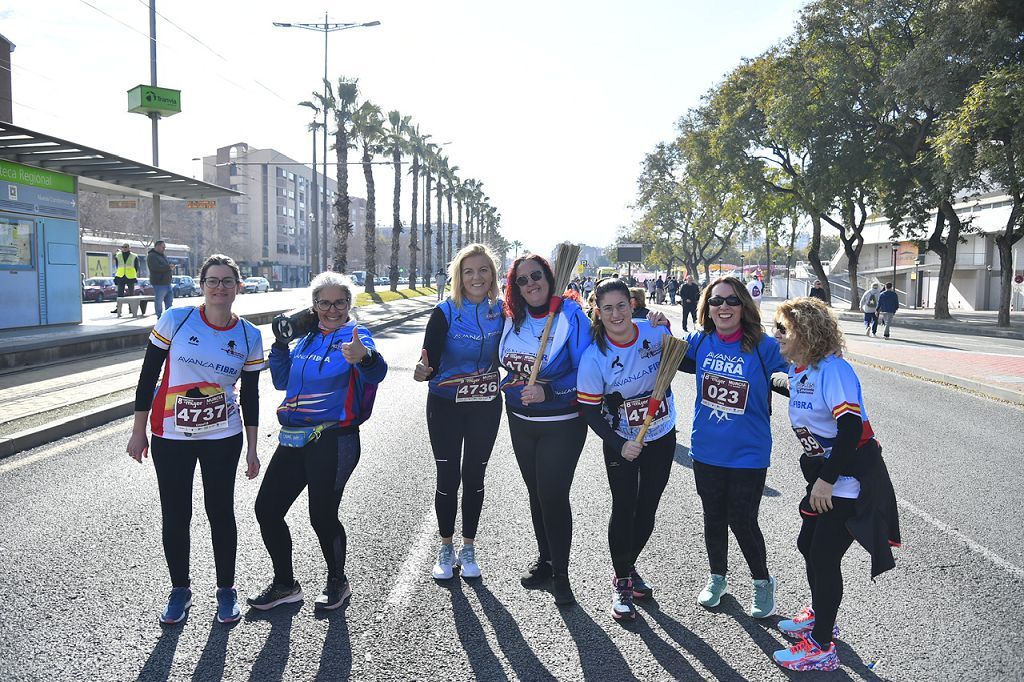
467	562
445	561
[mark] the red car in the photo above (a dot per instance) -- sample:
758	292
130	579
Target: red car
143	287
100	289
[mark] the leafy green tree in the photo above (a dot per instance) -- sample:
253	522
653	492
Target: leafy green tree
342	105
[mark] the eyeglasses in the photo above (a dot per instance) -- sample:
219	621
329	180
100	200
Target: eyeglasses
324	306
214	282
781	328
716	301
523	280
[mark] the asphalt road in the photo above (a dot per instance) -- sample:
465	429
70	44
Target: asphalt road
84	576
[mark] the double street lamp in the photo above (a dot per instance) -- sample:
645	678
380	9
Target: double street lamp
326	27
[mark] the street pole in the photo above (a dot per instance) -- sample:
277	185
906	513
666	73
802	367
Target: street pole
895	247
314	226
154	116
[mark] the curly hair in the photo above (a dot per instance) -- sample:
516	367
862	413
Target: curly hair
750	320
515	304
814	328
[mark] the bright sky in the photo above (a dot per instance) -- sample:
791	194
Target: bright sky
551	104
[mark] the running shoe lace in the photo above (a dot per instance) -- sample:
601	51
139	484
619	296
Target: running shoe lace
805	645
468	554
805	615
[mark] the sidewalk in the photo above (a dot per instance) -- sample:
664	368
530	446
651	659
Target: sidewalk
45	403
979	323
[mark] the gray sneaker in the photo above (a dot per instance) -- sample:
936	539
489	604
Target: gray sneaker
712	593
468	566
762	604
445	562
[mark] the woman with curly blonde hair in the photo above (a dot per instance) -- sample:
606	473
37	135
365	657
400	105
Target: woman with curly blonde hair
849	494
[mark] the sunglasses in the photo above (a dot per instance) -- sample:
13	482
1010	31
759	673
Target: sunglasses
780	328
523	280
716	301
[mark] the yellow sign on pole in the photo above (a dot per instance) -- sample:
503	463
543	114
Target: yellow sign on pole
579	269
97	265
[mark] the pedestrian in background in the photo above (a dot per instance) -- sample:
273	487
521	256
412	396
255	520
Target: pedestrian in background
659	290
849	492
194	417
689	293
672	286
731	438
543	419
888	304
638	301
330	379
160	277
126	272
440	280
460	360
869	306
756	289
818	292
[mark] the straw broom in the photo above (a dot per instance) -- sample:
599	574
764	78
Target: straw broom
672	351
565	263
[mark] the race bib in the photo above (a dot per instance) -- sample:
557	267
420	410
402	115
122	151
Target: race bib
811	446
478	389
520	363
199	415
636	411
724	394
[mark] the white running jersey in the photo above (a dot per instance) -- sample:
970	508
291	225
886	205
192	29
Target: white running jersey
818	397
756	289
196	394
631	371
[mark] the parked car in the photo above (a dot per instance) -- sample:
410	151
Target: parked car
359	277
255	285
143	287
100	289
185	286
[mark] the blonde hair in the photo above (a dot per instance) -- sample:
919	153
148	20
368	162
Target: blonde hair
638	295
455	271
814	328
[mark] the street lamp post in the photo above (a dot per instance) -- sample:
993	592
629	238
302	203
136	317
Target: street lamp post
895	248
326	27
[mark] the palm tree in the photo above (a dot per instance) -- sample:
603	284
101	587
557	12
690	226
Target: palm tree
441	169
461	193
397	141
368	128
452	181
417	144
430	156
342	106
516	245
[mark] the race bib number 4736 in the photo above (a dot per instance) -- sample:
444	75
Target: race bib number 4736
723	393
198	415
478	389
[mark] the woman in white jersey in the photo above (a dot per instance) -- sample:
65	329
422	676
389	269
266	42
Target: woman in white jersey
849	494
194	417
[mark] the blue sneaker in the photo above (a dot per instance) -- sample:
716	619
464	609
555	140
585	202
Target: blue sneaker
807	655
801	625
227	605
177	605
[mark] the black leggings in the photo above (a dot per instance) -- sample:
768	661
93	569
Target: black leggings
636	491
324	466
462	437
547	453
823	541
731	499
175	464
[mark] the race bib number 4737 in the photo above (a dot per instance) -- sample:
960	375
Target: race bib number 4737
198	415
723	393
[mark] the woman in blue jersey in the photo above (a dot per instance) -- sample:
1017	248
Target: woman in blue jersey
731	439
849	494
615	381
195	419
330	379
460	359
544	420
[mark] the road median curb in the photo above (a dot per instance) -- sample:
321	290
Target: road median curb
90	419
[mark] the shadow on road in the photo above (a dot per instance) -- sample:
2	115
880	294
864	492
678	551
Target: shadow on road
485	663
158	665
682	458
211	662
686	639
273	657
336	656
599	657
515	647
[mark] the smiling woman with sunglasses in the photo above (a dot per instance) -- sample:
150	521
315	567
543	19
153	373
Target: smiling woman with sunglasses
544	419
330	379
195	418
731	439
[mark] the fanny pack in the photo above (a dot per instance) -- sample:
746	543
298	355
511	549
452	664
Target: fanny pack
298	436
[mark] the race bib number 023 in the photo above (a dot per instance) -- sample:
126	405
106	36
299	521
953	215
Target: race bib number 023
199	415
478	389
636	411
724	394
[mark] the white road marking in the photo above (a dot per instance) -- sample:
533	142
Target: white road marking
999	561
63	446
412	568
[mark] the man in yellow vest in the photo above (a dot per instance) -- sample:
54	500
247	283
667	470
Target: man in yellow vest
127	270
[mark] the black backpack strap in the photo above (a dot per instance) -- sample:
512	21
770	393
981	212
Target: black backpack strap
182	324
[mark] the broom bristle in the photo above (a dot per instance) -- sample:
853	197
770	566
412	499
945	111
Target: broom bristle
565	263
673	350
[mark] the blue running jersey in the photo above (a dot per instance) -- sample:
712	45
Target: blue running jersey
470	349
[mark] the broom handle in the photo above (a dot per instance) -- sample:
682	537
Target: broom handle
540	353
643	429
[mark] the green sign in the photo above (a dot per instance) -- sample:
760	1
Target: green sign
36	177
146	99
